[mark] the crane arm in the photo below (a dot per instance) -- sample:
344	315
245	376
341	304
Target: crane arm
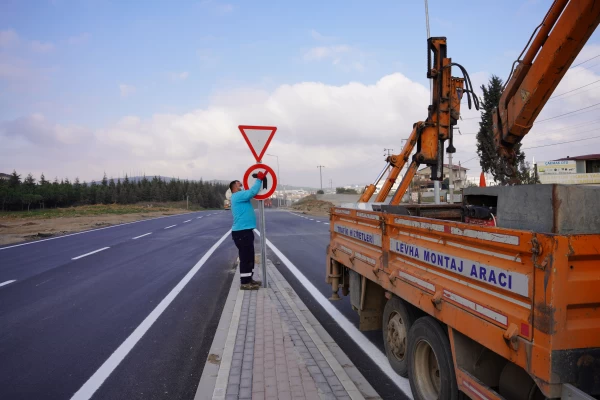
397	162
562	34
430	135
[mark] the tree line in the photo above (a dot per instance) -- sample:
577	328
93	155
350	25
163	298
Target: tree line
21	194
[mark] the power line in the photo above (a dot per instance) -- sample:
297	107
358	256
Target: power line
573	126
551	130
570	112
576	94
556	144
583	62
581	87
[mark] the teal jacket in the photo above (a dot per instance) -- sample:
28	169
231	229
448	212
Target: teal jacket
241	208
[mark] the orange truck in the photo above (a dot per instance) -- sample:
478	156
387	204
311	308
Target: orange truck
510	311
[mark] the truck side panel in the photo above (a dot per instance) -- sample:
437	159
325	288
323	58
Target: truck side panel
525	296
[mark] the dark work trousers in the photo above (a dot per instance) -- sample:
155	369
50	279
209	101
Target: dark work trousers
244	241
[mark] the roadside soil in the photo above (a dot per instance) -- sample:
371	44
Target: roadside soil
311	206
18	229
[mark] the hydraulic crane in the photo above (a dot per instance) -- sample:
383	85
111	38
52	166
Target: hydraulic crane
555	44
430	135
560	37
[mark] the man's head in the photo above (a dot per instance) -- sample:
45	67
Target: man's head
235	186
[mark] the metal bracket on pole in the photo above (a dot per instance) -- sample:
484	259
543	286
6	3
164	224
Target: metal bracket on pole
263	242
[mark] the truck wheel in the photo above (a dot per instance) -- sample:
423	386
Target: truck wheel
431	369
397	320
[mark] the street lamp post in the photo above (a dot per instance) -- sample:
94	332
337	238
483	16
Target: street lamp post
279	178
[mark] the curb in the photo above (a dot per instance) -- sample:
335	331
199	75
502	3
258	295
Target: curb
210	373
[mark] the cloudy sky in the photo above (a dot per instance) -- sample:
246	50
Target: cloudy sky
94	86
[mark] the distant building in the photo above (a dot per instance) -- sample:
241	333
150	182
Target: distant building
459	176
580	170
4	177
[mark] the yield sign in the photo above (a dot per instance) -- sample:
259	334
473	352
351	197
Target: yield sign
258	138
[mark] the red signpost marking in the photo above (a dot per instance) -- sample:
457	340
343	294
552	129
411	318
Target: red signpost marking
258	138
271	183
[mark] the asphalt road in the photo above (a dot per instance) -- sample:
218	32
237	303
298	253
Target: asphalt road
63	318
77	300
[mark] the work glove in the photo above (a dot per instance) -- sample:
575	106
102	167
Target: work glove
261	175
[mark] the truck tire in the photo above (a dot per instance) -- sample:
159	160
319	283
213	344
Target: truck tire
431	368
397	320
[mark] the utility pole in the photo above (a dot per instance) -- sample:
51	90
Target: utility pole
331	184
321	174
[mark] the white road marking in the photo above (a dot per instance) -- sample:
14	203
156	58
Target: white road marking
170	226
91	230
89	388
187	221
365	344
198	217
7	282
90	253
141	236
326	223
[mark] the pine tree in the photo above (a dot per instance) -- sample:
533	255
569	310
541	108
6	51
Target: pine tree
15	180
29	183
486	147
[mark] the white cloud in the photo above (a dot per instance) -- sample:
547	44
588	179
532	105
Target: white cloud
42	47
342	127
78	39
8	38
126	90
342	56
320	37
321	52
179	76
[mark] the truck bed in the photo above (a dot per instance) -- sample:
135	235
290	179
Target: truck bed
531	298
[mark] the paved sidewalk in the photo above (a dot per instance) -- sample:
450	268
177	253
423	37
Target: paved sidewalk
269	346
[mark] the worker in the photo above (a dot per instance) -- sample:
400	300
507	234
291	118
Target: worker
244	221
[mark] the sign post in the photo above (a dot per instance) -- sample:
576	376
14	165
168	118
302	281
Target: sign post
258	139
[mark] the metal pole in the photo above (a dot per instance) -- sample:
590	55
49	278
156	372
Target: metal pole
279	180
321	174
263	242
436	192
451	180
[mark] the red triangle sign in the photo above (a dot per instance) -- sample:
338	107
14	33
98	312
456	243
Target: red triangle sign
258	138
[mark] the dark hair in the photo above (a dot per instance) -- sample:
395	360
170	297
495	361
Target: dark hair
232	184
